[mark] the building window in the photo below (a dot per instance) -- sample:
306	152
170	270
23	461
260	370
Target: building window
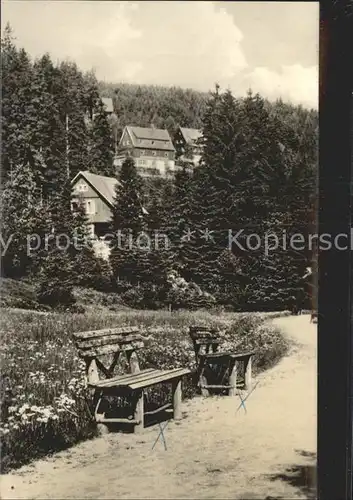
90	208
142	152
154	153
81	187
166	155
74	206
141	162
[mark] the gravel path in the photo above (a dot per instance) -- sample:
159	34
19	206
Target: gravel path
215	452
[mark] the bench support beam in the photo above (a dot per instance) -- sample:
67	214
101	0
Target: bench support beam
133	361
176	390
247	375
233	379
139	412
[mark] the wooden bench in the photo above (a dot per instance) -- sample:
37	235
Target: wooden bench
94	345
206	343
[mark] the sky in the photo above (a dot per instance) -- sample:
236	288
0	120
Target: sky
270	47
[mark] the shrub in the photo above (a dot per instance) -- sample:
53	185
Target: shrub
18	293
90	297
54	285
133	297
187	295
97	275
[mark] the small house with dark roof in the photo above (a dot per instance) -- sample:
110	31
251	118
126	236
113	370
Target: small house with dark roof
151	148
187	144
96	193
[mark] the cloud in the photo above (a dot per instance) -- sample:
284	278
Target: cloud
91	33
190	44
294	83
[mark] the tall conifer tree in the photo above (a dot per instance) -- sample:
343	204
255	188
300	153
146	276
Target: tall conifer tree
127	223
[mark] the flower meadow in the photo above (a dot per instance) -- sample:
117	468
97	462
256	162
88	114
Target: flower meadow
46	405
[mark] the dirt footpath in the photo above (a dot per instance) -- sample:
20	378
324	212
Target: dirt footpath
216	452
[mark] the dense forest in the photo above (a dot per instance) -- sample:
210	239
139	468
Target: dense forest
142	105
257	176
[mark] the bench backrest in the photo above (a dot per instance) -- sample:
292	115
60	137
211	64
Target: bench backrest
94	344
110	340
204	335
204	338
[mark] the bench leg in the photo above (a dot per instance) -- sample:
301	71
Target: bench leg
202	379
247	375
139	413
102	428
233	379
176	389
204	391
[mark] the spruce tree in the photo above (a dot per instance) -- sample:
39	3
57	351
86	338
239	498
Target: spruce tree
57	260
213	195
101	147
158	263
181	214
48	134
127	224
22	216
16	116
73	99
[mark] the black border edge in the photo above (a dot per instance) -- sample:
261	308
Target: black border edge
335	344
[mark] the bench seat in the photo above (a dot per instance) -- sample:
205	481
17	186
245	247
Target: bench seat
230	355
142	379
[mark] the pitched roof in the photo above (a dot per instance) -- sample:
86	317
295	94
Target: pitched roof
190	134
105	186
108	103
150	138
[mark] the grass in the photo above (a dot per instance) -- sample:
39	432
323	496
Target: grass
45	403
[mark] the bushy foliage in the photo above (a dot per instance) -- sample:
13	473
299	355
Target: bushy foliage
187	295
18	294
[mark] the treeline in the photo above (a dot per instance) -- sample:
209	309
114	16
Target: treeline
52	118
257	176
143	105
